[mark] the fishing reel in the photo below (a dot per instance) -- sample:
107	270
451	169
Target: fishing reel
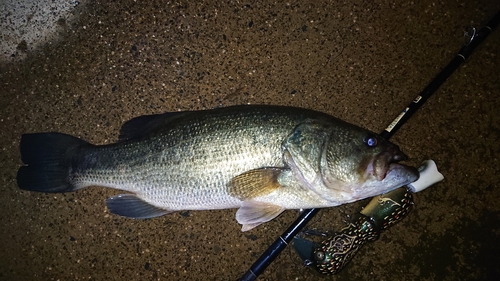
383	211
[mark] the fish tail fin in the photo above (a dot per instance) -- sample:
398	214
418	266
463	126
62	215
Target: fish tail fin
48	158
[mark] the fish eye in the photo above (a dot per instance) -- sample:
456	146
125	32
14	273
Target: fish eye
371	140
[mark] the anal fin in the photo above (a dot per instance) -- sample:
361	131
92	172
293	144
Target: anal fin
131	206
253	213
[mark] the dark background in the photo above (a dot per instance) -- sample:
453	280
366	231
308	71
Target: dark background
361	61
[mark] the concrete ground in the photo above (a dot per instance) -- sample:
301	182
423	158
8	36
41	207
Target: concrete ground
361	61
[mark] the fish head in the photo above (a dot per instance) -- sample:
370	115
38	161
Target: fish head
360	164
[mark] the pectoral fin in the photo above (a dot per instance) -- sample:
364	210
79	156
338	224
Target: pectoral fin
253	213
131	206
255	183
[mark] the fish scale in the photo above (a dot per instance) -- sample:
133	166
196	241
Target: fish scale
260	159
204	153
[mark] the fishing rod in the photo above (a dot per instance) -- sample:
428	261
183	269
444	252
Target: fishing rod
473	38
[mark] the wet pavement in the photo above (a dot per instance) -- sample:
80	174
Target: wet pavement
361	61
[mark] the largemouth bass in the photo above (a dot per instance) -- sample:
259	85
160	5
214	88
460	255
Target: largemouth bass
260	159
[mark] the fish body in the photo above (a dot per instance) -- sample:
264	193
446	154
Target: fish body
260	159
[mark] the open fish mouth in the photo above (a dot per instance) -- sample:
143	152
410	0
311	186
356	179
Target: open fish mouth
401	174
389	161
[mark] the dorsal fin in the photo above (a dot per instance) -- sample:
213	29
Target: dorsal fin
142	125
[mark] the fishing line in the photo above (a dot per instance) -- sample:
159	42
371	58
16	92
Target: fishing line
472	39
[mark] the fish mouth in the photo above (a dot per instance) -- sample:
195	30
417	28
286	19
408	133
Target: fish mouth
387	161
